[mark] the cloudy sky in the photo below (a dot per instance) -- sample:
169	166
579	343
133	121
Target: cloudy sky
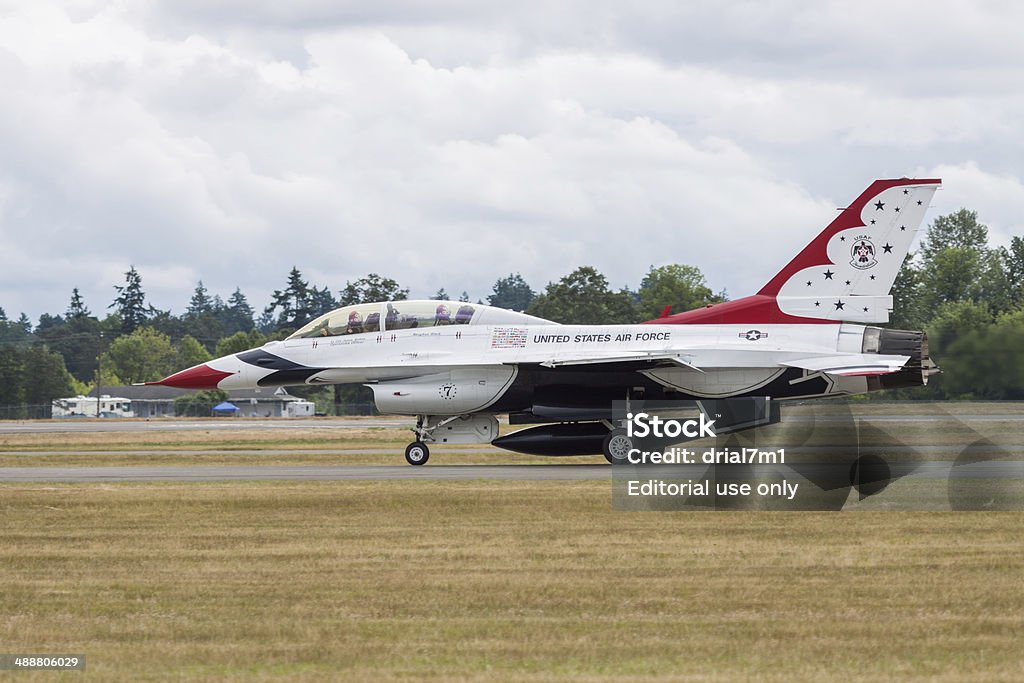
446	147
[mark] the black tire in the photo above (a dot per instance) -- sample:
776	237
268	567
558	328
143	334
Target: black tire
417	453
616	446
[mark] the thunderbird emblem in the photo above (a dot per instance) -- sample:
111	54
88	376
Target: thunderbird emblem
863	253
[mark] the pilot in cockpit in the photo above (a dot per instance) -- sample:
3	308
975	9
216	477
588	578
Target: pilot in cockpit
443	315
355	323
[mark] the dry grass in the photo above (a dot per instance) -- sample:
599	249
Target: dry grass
481	581
166	437
502	581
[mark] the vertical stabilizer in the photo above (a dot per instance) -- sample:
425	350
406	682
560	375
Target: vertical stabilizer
846	273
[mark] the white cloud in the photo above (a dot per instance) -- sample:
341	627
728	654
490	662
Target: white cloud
446	147
998	198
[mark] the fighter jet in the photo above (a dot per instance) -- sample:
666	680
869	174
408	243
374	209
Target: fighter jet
806	334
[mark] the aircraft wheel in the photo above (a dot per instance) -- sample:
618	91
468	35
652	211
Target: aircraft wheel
617	446
417	453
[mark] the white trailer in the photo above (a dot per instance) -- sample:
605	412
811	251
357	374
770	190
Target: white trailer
87	406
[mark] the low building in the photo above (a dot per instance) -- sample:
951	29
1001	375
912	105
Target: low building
158	401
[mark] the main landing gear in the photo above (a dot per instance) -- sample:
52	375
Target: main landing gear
617	445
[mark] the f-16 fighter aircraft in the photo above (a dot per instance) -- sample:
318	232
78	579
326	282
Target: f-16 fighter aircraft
455	366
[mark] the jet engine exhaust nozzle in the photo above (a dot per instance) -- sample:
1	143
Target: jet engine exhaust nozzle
904	343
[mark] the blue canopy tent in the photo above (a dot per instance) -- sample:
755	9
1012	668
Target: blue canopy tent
226	408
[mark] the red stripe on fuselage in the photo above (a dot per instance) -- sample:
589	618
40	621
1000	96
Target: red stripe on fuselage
759	309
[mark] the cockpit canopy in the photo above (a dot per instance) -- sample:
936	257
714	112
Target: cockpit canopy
403	315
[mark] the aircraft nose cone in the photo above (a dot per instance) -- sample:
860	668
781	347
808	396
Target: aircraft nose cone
198	377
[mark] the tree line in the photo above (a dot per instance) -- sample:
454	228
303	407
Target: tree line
967	295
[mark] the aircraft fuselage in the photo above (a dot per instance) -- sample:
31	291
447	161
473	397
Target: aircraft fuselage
458	369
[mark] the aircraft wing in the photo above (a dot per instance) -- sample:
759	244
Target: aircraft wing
850	365
846	365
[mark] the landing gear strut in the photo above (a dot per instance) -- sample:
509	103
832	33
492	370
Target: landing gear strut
617	445
449	429
417	452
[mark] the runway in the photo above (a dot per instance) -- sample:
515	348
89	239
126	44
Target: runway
569	472
1002	460
305	473
348	423
896	451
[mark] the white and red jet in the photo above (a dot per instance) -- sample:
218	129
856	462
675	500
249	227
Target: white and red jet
455	366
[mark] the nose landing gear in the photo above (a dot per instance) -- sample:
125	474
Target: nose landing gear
417	453
449	429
